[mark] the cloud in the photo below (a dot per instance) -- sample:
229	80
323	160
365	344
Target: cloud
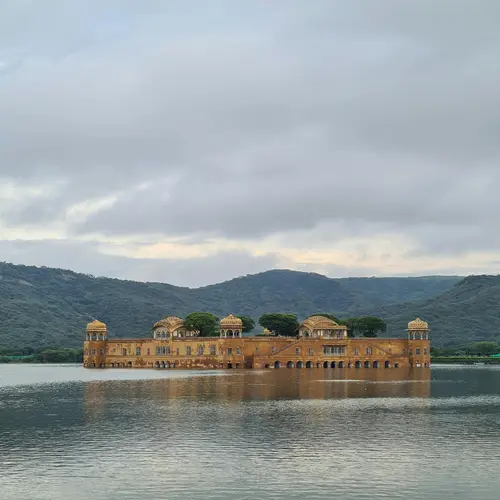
271	127
92	258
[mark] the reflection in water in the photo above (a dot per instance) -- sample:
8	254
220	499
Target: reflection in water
271	434
269	385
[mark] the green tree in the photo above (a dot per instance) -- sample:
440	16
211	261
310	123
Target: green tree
206	323
55	356
484	348
280	324
351	326
248	323
369	326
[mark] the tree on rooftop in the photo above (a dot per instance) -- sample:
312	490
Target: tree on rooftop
248	323
369	326
280	324
206	323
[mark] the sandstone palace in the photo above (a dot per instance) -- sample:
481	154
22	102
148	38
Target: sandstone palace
320	343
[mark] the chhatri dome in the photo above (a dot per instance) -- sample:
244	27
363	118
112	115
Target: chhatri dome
169	322
418	324
231	321
96	326
320	323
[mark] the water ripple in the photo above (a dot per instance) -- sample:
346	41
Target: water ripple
66	432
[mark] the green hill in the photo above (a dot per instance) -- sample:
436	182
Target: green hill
468	312
45	306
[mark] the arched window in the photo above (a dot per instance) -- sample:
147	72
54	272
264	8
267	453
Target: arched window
137	351
238	350
213	350
200	350
297	351
188	350
368	350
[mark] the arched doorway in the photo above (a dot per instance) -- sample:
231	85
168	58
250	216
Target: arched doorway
367	364
289	364
157	364
333	364
387	364
325	364
375	364
309	364
357	364
341	364
277	364
163	364
167	364
300	364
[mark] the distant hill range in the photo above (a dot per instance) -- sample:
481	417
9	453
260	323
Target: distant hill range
42	306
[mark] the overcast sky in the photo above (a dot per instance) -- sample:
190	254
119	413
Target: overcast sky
191	141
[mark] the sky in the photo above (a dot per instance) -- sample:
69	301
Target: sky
190	142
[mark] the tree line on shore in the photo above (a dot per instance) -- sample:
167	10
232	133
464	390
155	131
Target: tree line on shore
41	355
486	348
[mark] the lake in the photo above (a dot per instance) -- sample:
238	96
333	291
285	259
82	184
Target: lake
71	433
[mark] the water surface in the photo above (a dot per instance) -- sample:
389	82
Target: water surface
70	433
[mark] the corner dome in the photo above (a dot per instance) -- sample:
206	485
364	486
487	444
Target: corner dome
96	326
418	324
231	320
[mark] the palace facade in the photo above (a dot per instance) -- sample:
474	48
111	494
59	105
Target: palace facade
320	343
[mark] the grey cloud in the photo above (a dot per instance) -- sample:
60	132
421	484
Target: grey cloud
268	118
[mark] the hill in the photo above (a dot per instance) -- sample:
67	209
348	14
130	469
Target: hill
42	306
468	312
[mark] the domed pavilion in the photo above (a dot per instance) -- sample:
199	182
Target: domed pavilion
231	326
322	327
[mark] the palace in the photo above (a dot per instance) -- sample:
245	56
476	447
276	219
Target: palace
320	343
